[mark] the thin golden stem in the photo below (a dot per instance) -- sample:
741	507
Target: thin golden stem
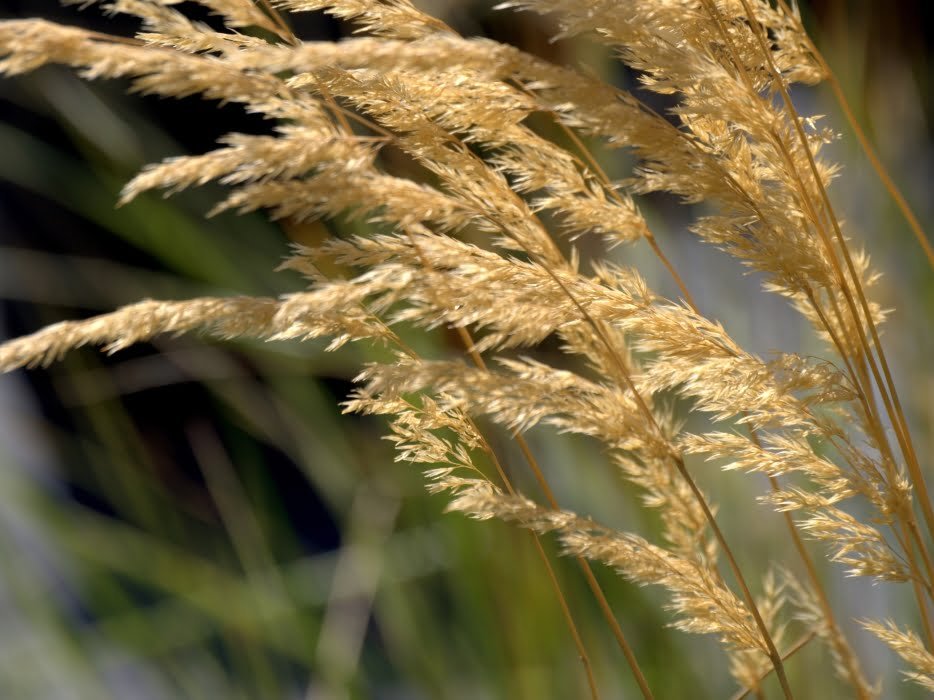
794	649
602	176
866	356
552	577
679	462
610	617
907	519
583	563
568	618
624	375
341	112
690	301
877	165
533	464
925	619
480	363
859	379
916	585
284	31
796	538
888	386
507	483
682	287
692	485
543	483
858	372
919	584
854	376
747	81
805	201
846	652
747	594
592	582
889	399
916	537
865	143
866	353
114	38
837	639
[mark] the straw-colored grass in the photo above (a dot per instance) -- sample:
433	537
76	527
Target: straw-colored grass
465	239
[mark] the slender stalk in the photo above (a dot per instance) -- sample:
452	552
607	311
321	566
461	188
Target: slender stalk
480	363
893	408
592	582
858	374
568	618
285	32
919	542
772	650
864	141
866	354
692	485
688	297
773	653
888	386
553	578
837	639
595	166
846	652
925	618
794	649
866	392
115	38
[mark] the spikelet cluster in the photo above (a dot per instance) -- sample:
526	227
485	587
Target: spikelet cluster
473	242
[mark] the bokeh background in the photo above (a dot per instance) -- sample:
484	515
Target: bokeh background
197	519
